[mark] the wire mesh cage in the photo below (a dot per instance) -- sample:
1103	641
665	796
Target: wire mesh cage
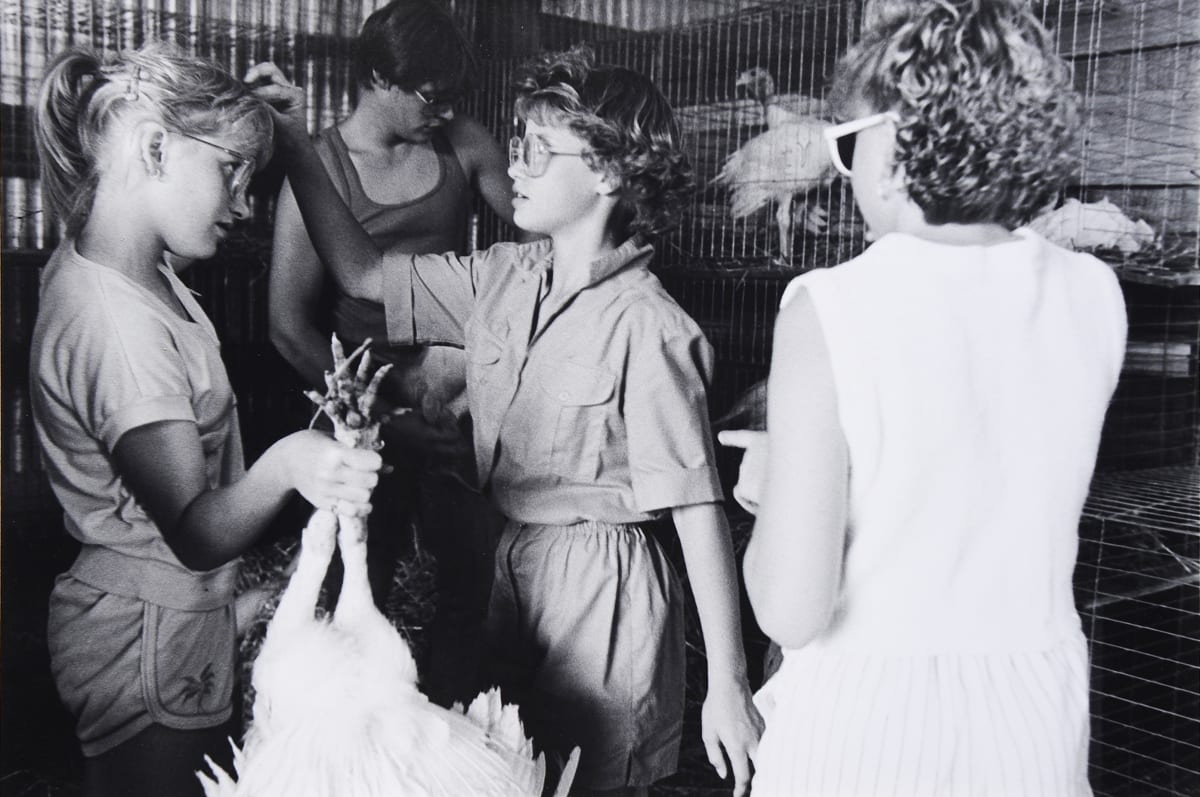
1137	69
1133	200
751	77
1136	587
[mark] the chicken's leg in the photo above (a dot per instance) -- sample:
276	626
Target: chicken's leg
814	217
783	218
350	403
316	549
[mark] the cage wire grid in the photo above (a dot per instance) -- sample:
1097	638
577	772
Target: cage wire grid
1136	586
1137	68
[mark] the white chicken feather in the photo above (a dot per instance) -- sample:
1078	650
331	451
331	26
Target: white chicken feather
337	711
786	161
1093	225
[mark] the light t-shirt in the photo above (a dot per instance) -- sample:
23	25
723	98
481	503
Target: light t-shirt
109	356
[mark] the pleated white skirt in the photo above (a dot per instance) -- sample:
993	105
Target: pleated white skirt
847	724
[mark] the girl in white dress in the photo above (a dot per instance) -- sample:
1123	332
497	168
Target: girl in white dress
934	411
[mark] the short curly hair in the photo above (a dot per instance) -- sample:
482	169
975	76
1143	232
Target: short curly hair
630	129
988	112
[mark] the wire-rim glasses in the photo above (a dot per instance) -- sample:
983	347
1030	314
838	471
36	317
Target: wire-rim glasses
433	104
239	181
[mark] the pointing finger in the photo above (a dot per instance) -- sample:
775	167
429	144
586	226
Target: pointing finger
738	438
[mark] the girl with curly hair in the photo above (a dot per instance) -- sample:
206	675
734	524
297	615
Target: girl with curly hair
146	157
934	412
586	385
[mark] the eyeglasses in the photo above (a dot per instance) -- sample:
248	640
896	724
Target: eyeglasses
841	138
239	180
434	105
533	154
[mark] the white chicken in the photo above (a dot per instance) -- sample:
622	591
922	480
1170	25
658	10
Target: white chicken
787	161
337	712
1093	225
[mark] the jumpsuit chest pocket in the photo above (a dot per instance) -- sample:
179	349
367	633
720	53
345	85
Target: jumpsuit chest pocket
580	402
485	380
484	351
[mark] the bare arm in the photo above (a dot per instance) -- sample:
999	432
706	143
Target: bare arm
793	563
340	241
355	260
297	281
485	163
729	718
441	286
294	293
163	466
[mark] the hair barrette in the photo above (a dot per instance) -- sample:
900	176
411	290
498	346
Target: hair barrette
133	90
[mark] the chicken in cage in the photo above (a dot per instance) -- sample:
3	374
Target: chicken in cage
779	166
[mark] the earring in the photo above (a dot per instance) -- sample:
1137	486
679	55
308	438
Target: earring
156	173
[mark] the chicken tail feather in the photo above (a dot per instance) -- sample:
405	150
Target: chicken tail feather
221	784
568	775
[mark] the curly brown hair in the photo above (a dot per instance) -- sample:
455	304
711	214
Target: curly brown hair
630	128
988	112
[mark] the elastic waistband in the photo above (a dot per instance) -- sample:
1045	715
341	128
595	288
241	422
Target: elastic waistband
153	581
586	526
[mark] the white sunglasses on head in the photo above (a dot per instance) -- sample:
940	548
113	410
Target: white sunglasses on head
840	138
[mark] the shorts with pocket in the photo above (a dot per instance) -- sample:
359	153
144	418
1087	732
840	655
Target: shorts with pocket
585	632
121	663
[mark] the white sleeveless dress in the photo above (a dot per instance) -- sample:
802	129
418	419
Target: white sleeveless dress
972	384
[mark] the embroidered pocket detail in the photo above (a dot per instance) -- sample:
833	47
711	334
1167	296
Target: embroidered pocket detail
199	687
188	665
